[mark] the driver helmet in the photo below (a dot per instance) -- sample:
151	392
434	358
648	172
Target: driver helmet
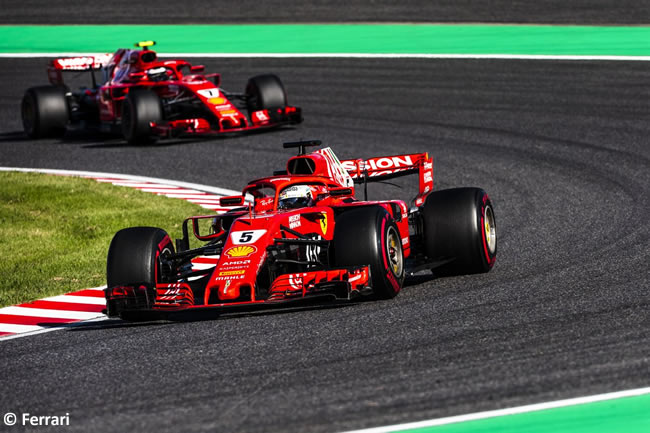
296	196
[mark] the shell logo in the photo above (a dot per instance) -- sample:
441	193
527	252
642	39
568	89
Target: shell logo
240	251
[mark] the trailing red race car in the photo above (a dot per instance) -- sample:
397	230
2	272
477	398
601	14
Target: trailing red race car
146	98
302	234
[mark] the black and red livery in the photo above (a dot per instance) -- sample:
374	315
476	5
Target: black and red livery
145	98
333	246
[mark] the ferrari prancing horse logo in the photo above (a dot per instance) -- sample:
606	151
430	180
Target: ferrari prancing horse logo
323	222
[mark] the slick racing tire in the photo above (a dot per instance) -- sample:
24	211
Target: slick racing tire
133	259
265	92
44	111
140	108
369	236
133	256
459	225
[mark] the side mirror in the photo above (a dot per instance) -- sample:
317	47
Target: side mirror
197	68
204	227
336	192
136	76
233	200
216	78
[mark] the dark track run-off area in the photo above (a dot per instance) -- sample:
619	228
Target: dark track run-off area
562	149
319	11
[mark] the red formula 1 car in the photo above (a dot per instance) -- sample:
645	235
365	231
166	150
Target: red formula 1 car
302	234
147	98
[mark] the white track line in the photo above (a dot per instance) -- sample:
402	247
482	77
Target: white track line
494	56
508	411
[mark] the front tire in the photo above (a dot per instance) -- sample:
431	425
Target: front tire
44	112
265	92
133	261
140	108
133	256
369	236
459	226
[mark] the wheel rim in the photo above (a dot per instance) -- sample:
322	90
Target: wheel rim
490	229
394	249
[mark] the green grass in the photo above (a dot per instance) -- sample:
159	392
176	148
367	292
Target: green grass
55	230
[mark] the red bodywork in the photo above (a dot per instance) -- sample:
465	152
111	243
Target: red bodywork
176	82
252	233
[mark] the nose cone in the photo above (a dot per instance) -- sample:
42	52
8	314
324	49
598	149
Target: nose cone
244	252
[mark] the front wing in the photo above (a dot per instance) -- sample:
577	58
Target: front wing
335	284
263	119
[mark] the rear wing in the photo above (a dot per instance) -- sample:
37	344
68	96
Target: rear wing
79	63
387	167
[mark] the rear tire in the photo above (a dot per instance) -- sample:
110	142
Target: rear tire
265	92
459	224
140	108
44	111
369	236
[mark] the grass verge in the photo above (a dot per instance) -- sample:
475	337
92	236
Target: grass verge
55	230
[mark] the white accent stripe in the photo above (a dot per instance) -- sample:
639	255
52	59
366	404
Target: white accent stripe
201	266
77	299
497	56
52	314
508	411
8	327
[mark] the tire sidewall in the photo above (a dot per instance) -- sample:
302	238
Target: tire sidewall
140	107
265	92
48	109
392	282
133	256
360	238
454	228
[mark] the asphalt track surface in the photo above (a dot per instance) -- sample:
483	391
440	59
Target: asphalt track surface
278	11
562	149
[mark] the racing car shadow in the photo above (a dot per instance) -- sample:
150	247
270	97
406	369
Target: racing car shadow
198	315
213	314
113	141
13	136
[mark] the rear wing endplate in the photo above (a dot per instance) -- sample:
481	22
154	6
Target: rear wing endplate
387	167
78	64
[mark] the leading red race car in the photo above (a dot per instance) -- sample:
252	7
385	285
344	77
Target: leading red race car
146	98
302	234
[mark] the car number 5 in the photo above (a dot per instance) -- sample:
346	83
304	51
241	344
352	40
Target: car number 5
246	237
